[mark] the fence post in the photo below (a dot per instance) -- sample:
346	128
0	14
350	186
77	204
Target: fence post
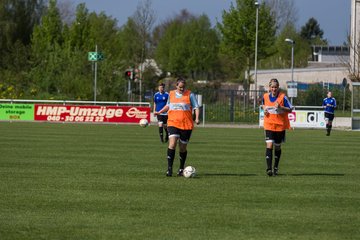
232	99
203	115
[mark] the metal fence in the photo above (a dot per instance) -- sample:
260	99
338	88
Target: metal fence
238	106
232	106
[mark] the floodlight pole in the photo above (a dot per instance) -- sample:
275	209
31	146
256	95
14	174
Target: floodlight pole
292	42
256	52
95	75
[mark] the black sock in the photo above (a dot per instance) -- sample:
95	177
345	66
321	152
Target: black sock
182	159
161	133
277	158
170	157
269	158
330	126
167	134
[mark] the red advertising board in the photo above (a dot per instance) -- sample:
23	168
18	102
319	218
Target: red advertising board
105	114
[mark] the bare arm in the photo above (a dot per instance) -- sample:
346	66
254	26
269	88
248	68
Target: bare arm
164	109
197	113
283	108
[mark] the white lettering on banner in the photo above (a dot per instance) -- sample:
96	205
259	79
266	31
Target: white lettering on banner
85	112
52	111
96	112
79	111
301	118
134	112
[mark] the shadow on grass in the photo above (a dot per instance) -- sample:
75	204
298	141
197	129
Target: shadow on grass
228	174
315	174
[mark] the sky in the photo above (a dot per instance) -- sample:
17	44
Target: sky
333	16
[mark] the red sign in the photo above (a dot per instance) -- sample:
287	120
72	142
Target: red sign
106	114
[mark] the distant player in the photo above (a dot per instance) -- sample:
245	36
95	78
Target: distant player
276	107
180	107
160	101
329	104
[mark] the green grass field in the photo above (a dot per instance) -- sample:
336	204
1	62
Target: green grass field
79	181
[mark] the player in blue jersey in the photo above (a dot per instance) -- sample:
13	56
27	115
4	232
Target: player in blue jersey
329	104
160	100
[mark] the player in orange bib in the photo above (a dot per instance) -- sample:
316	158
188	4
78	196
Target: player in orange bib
180	106
276	107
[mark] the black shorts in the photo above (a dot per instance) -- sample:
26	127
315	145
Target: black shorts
184	135
162	119
275	137
329	116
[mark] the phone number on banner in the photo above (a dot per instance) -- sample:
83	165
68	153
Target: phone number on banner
75	119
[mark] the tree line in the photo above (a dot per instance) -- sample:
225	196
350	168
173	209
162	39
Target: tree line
44	49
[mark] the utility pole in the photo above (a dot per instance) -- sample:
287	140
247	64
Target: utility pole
256	52
95	75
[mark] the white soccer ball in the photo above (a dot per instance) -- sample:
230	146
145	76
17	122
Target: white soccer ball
189	172
143	123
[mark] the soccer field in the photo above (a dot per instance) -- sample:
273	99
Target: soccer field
82	181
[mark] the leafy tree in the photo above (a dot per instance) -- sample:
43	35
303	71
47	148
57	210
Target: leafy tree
312	32
17	20
238	31
79	30
46	44
130	42
164	53
88	31
166	36
203	45
104	32
188	46
282	57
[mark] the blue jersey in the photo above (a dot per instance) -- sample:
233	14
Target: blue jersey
286	101
332	102
161	99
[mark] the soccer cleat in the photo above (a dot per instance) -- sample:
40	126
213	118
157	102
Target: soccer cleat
327	134
169	173
269	172
180	173
276	171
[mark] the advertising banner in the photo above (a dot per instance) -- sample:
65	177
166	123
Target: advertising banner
16	112
301	119
96	114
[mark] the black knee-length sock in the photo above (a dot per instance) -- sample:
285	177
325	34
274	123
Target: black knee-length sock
161	133
170	157
269	155
183	156
277	158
